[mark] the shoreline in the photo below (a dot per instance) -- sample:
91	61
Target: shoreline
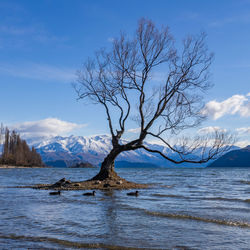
115	183
10	166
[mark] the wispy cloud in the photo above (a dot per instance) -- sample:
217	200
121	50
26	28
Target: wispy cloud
134	130
237	104
245	130
46	127
242	18
38	72
188	15
32	32
15	35
211	129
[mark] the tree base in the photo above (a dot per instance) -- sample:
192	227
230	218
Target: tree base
106	175
102	181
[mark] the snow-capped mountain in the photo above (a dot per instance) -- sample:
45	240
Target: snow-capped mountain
92	149
74	144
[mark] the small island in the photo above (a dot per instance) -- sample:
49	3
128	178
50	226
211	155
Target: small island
82	165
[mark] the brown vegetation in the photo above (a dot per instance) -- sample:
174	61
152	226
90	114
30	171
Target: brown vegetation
16	152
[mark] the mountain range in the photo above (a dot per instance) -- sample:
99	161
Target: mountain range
93	149
68	151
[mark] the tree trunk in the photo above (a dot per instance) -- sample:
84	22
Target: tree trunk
107	168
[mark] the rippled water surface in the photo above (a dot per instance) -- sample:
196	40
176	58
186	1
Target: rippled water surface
184	209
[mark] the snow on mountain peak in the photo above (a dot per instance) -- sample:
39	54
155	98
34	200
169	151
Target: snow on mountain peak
87	148
93	149
74	144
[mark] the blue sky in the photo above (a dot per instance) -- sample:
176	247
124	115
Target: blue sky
43	43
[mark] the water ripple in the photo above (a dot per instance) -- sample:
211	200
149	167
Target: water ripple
208	220
67	243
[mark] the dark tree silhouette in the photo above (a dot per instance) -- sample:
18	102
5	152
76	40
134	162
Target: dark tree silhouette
16	152
122	80
1	133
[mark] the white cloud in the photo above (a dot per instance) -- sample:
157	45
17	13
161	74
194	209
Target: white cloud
29	33
46	127
237	104
245	110
210	129
243	130
134	130
39	72
242	144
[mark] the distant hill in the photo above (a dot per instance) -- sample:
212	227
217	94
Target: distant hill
235	158
127	164
56	164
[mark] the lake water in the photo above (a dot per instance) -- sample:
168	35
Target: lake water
184	209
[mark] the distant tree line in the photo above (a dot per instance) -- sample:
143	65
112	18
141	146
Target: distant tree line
15	151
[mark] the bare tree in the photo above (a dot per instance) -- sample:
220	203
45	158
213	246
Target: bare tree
166	103
1	133
1	140
16	152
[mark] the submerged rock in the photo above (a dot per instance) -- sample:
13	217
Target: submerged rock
61	183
